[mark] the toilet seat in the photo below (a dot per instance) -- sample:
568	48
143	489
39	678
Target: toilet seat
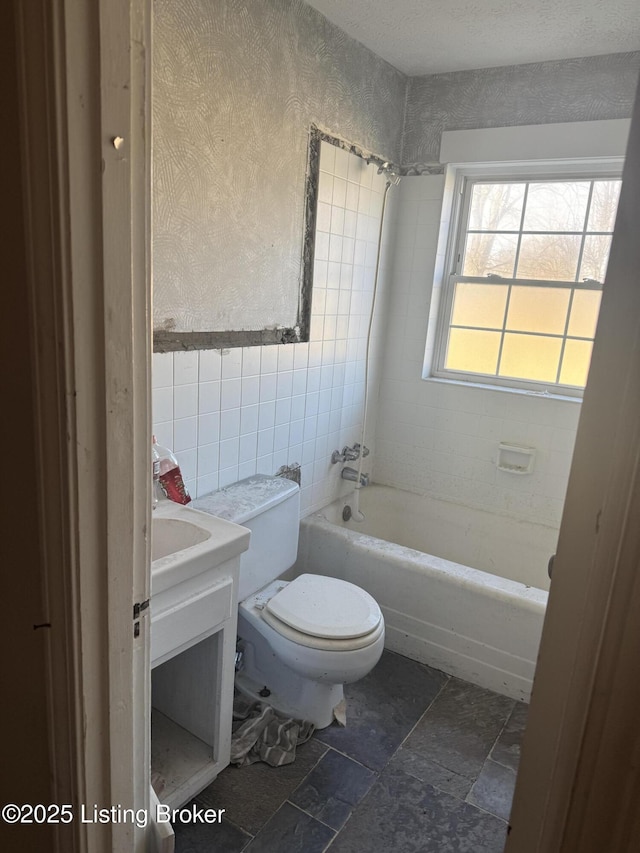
324	613
321	643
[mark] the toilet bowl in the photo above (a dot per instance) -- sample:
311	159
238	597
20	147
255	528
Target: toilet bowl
305	665
301	640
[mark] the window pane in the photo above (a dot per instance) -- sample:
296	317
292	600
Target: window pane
496	207
473	351
595	257
556	206
527	249
604	203
538	309
530	357
575	363
490	254
549	256
584	313
479	305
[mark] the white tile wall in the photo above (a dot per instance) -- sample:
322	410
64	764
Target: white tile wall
440	438
229	414
233	413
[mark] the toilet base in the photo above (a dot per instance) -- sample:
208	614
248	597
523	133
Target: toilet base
291	695
304	683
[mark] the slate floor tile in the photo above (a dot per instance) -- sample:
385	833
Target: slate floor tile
429	771
333	788
383	708
404	815
252	794
222	837
493	789
448	753
507	748
460	728
291	831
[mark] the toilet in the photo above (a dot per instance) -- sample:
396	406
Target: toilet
302	640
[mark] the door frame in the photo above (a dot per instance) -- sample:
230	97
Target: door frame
84	75
578	786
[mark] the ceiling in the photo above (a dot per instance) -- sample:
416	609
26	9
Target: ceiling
434	36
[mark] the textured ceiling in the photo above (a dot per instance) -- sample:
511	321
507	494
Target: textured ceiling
433	36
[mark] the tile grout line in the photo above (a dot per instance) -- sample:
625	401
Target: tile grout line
500	764
313	817
473	781
228	821
484	811
433	784
378	773
344	755
375	773
287	800
489	758
346	823
499	735
426	710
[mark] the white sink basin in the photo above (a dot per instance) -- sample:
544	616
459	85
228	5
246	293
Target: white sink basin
169	535
186	542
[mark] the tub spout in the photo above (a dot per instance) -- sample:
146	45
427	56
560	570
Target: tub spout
352	474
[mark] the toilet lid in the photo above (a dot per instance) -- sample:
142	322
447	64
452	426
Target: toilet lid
326	607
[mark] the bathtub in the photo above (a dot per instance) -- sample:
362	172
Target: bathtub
461	589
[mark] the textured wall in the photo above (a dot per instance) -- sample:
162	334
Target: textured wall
237	84
230	413
595	87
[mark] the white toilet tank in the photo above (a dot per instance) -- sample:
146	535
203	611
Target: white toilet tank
270	508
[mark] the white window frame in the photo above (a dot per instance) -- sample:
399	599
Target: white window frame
458	177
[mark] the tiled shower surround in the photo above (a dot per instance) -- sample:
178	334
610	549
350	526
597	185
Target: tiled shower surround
441	438
231	413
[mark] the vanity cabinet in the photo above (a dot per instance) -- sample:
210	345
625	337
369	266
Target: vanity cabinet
193	640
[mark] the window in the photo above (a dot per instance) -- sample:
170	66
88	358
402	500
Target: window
526	272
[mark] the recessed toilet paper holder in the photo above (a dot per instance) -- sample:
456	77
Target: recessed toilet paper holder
515	458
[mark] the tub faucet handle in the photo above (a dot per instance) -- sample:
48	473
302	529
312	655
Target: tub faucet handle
348	454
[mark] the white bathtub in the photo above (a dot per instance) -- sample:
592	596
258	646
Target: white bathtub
414	555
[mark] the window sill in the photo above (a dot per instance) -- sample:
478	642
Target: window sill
544	395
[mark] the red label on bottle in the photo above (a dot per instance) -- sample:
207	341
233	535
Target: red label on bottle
173	486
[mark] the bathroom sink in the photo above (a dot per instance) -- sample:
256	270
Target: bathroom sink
186	542
169	535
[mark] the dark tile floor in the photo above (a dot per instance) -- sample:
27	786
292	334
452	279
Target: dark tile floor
426	763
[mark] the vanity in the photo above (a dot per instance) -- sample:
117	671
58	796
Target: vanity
194	609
